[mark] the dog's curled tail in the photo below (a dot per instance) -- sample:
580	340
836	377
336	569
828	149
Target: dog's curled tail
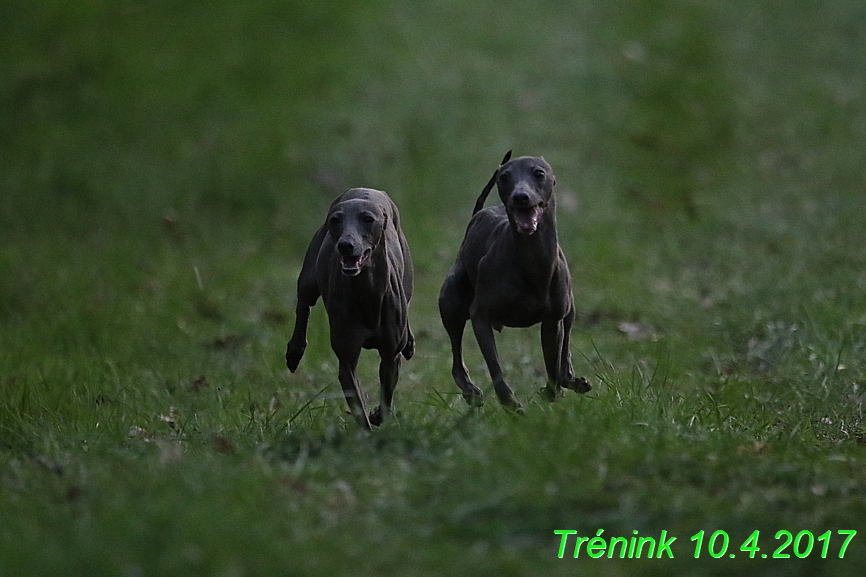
479	204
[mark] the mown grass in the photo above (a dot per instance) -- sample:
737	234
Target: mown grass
162	168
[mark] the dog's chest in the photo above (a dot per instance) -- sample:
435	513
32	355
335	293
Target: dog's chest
515	297
513	303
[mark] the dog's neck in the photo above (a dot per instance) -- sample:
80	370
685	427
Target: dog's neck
537	253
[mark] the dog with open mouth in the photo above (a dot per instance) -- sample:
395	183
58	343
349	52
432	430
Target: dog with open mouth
359	263
511	272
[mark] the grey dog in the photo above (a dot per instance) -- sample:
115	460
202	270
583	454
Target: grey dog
359	263
511	272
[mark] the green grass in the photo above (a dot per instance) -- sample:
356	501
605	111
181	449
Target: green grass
163	166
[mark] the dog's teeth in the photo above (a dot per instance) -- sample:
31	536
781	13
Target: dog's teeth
527	219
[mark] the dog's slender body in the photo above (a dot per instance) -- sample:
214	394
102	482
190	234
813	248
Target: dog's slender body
511	272
359	263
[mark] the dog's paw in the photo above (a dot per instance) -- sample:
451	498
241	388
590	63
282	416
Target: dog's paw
577	384
551	392
508	402
506	396
473	397
294	352
375	417
409	350
513	406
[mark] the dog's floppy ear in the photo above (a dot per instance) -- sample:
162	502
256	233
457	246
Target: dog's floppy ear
381	240
336	201
552	176
479	204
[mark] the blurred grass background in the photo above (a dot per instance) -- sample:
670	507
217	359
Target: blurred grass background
164	164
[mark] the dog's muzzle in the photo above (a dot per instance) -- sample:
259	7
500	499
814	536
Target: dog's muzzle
350	265
526	218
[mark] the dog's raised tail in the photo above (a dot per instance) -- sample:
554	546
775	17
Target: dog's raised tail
479	204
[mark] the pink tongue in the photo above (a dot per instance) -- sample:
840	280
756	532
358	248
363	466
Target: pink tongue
527	219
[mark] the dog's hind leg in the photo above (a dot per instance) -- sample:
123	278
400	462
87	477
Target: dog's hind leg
454	311
389	373
351	389
487	343
552	340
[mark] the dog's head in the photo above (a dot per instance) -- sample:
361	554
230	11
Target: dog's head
526	188
356	227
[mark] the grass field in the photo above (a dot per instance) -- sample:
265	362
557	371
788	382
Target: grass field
164	164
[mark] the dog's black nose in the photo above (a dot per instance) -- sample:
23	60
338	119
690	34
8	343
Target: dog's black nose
346	248
520	199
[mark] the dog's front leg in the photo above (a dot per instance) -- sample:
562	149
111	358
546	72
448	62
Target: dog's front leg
351	389
308	294
454	297
471	394
486	342
298	343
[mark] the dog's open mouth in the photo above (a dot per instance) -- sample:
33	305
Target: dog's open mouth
351	265
527	219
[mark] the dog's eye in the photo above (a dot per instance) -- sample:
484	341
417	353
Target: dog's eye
539	174
368	219
335	220
505	178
